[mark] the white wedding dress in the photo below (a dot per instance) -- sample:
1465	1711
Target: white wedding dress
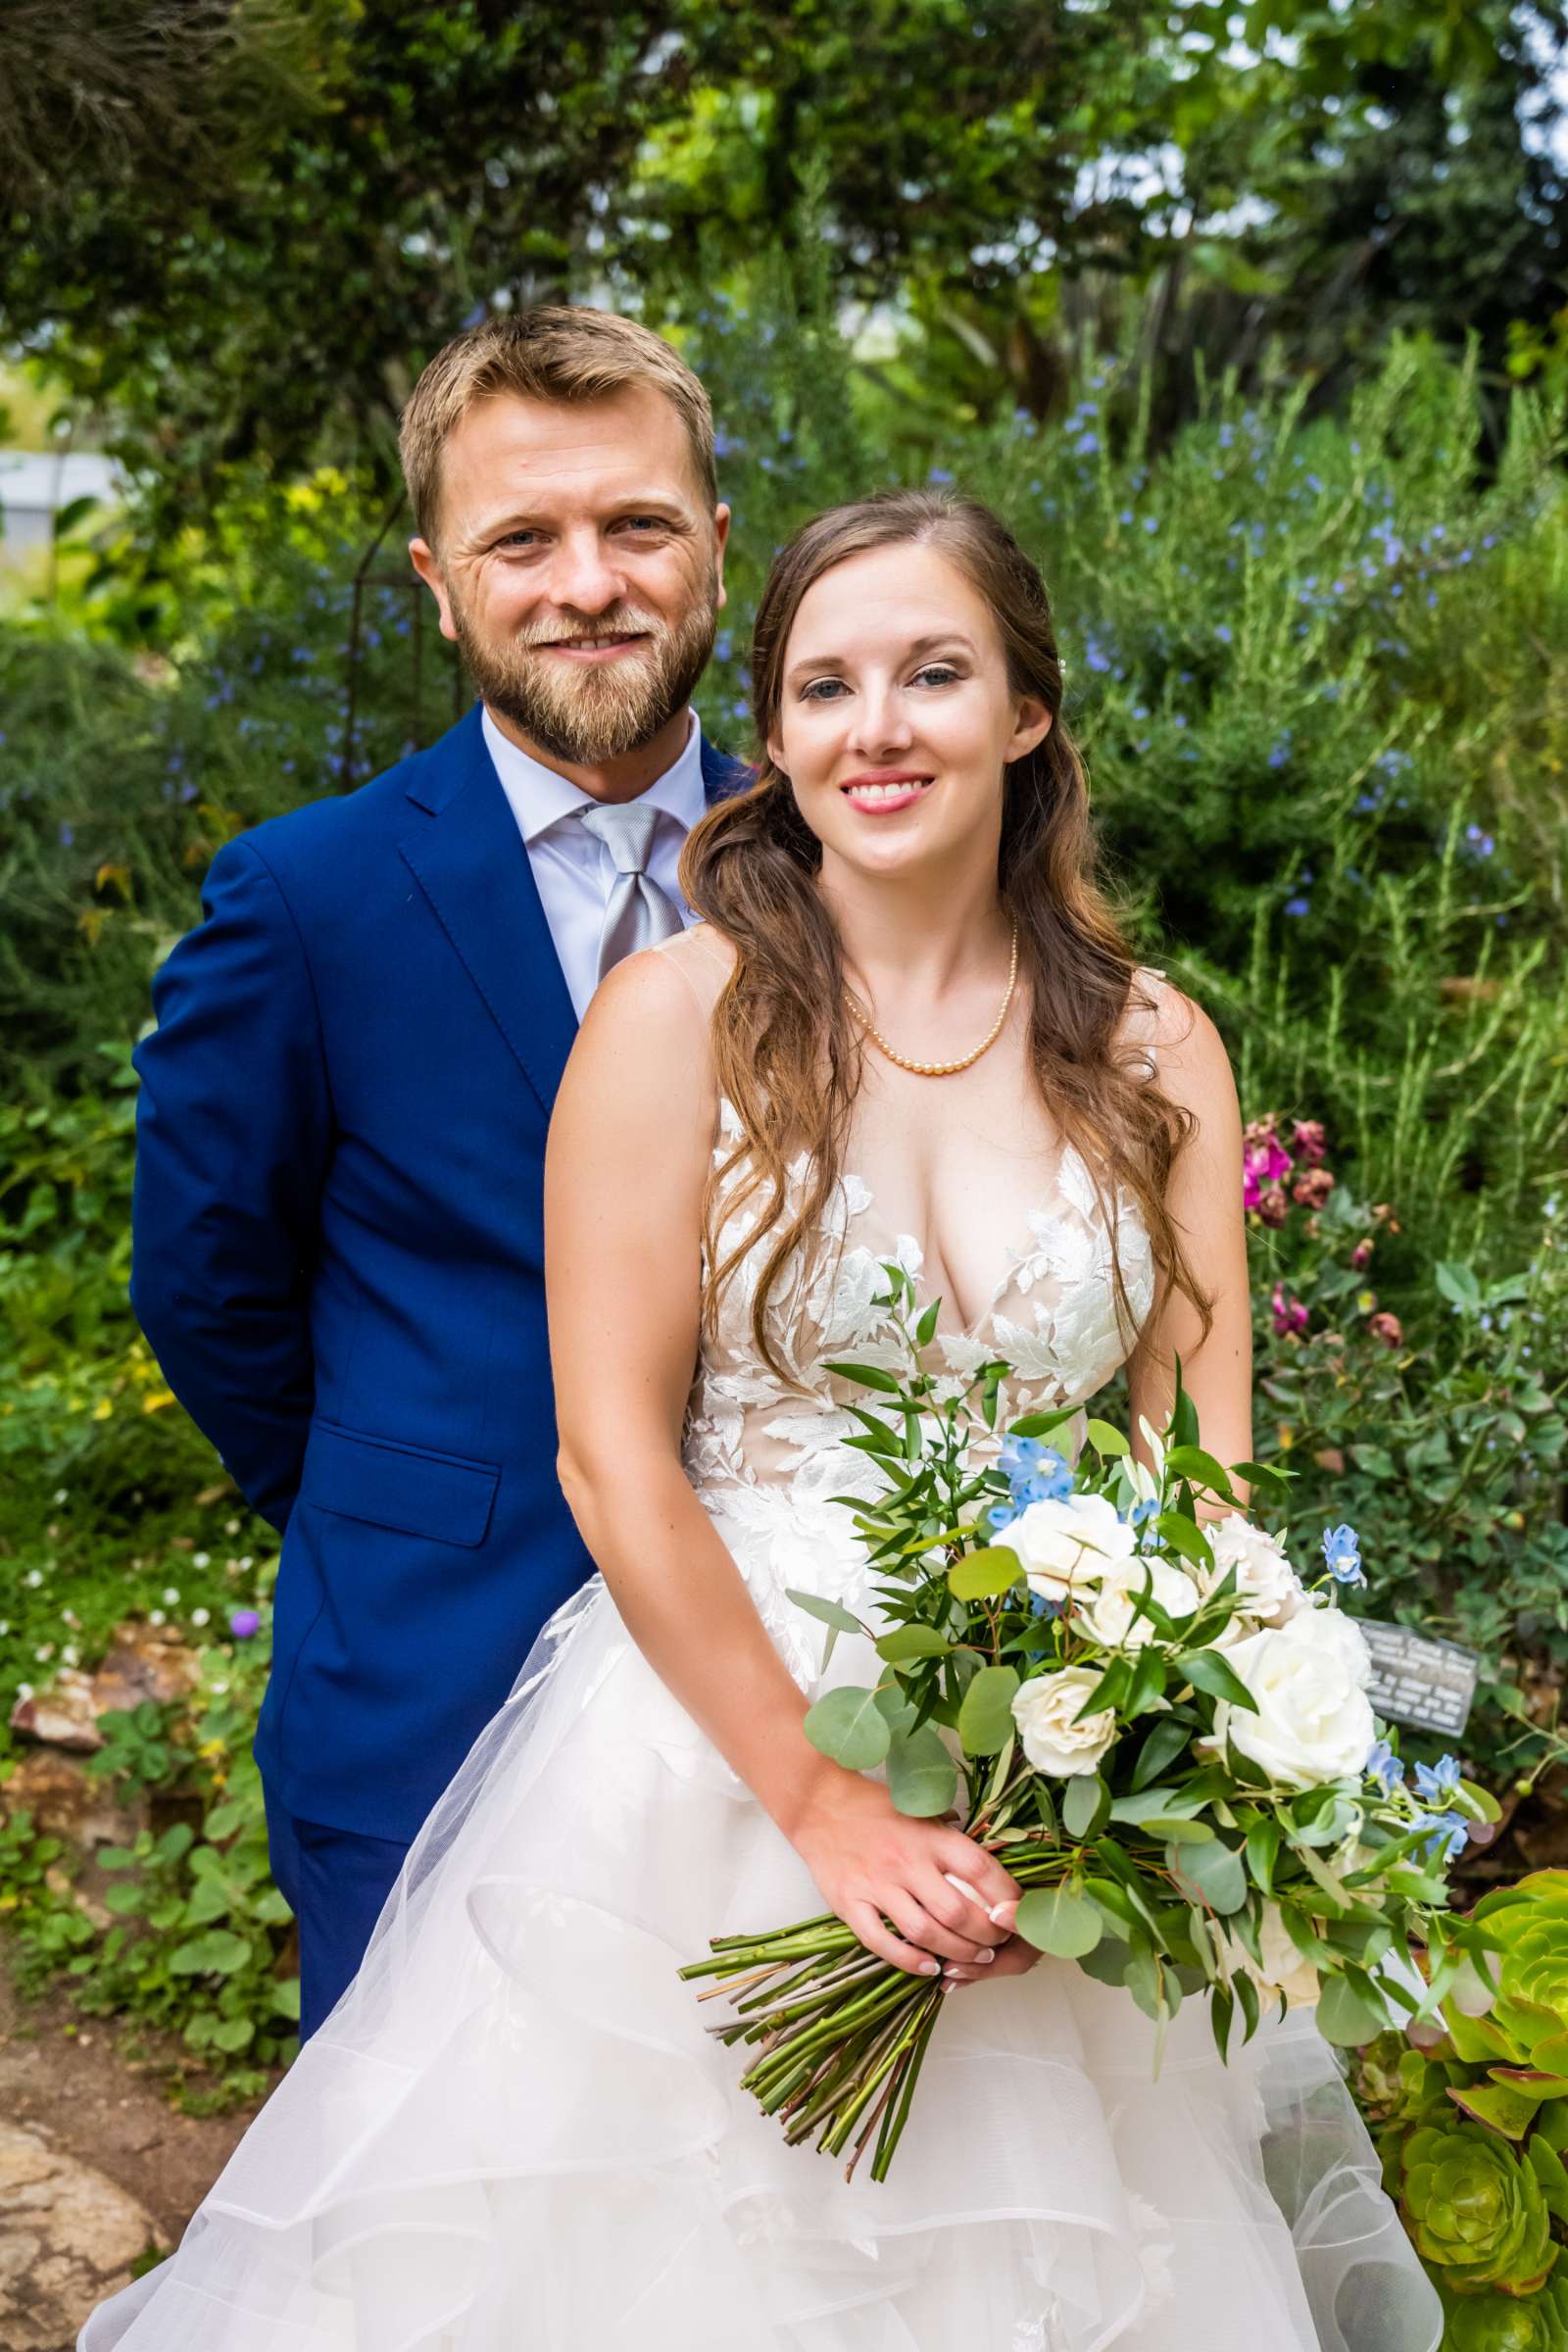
515	2130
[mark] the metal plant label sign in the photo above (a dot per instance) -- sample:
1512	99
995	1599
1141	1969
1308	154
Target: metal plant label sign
1426	1684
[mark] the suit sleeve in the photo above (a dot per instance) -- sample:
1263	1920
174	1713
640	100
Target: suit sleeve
233	1139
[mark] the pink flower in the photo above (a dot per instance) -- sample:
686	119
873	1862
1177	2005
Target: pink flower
1313	1188
1290	1315
1263	1160
1310	1141
1385	1327
243	1624
1272	1205
1361	1256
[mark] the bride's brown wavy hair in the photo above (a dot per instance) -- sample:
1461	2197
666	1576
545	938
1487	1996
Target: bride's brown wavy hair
785	1050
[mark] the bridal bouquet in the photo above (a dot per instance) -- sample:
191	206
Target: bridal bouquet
1153	1721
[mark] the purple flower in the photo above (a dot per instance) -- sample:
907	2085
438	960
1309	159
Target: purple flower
243	1623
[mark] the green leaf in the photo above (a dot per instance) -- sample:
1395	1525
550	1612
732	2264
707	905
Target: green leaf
925	1328
912	1642
286	1998
224	1819
870	1376
985	1575
218	1953
1262	1845
1183	1536
1192	1463
1212	1873
1177	1829
1346	2016
896	1707
1058	1921
1085	1805
848	1725
234	2034
1041	1425
1147	1682
1105	1438
1182	1430
985	1719
1274	1483
922	1778
1207	1671
1165	1741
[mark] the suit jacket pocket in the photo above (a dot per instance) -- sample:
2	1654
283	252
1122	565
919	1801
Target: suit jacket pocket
441	1496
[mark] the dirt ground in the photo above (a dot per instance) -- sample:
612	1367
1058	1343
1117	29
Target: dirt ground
107	2112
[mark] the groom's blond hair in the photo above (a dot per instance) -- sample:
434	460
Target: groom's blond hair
554	352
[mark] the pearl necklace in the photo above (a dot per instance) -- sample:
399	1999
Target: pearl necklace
940	1069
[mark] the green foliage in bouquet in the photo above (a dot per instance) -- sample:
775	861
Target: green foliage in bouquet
1473	2127
1152	1723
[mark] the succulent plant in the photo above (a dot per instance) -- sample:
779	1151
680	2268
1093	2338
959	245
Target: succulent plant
1493	2323
1476	2211
1523	2041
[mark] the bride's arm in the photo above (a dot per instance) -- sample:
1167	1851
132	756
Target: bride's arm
1206	1203
627	1161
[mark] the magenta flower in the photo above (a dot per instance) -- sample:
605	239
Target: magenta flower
1310	1141
1265	1160
1312	1190
1289	1314
1272	1205
1361	1257
243	1624
1387	1328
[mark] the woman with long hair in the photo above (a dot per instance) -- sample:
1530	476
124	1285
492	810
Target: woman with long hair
909	1028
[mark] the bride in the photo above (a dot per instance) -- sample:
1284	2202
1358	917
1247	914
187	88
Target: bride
908	1028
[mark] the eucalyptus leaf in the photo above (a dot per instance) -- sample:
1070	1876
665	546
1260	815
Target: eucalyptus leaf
849	1727
1212	1873
985	1575
922	1778
985	1719
1105	1438
1060	1921
1347	2016
830	1613
1085	1805
912	1642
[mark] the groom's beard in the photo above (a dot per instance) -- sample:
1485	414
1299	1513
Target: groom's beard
582	716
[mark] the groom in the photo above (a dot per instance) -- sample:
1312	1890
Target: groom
341	1132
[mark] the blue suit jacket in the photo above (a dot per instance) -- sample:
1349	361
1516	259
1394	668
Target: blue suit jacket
339	1259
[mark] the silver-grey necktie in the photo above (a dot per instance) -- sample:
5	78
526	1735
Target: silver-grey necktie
639	913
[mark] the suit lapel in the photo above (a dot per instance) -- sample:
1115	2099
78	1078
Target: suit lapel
469	859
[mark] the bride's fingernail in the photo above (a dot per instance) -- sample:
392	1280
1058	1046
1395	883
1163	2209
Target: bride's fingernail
985	1955
1003	1915
933	1968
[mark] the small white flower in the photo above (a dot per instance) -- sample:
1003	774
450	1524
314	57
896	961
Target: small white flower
71	1655
171	1594
33	1577
200	1616
23	1690
231	1527
4	1624
62	1494
155	1617
43	1653
1313	1721
1068	1542
200	1559
1111	1616
1043	1710
1267	1587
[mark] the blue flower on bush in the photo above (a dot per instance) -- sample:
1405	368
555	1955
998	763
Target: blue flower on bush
1447	1836
1035	1473
1435	1781
1385	1767
1000	1515
1041	1605
1341	1550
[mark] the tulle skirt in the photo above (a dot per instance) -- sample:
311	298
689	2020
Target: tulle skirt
516	2131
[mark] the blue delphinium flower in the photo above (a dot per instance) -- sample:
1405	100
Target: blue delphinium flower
1018	1457
1341	1550
1000	1515
1035	1473
1385	1767
1040	1605
1447	1836
1435	1781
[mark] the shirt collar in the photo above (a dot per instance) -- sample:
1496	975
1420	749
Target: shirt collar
541	796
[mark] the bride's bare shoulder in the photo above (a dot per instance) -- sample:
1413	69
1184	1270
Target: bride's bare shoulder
1167	1033
645	1037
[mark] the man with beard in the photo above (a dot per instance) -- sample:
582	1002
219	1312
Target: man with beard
340	1140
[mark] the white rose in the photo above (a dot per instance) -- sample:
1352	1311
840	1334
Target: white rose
1110	1615
1282	1969
1067	1542
1043	1710
1267	1587
1313	1721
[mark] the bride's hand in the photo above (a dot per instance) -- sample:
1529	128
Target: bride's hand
875	1864
1014	1958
